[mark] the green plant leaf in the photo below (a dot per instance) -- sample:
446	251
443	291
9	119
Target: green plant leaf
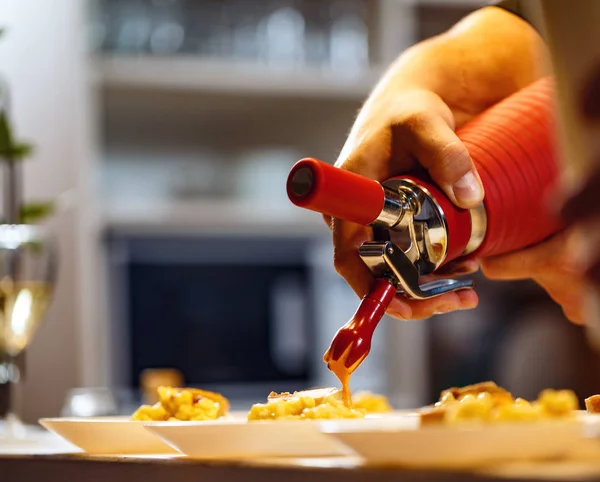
9	149
6	137
34	212
17	152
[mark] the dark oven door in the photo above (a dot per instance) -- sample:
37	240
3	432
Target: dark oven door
232	315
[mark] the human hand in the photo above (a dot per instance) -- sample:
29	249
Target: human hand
418	125
410	120
553	264
565	266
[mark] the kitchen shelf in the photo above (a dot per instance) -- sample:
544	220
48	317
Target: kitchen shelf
215	76
211	216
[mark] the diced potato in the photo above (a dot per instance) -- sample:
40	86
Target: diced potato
186	404
558	402
470	408
147	413
307	405
592	404
371	403
475	404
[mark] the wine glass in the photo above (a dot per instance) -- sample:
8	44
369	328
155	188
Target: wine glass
27	273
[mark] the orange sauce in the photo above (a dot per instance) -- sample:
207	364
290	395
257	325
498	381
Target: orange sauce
343	373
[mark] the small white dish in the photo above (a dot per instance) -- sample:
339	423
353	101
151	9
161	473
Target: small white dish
392	442
107	435
224	439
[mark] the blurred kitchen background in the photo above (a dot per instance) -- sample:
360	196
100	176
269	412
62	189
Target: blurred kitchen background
166	129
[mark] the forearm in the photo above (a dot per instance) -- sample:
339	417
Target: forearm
487	56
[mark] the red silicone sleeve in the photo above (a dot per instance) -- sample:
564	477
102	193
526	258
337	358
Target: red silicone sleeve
330	190
513	146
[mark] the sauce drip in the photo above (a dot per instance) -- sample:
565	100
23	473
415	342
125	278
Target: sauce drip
342	372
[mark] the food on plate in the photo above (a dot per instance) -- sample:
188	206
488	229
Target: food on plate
322	403
488	403
371	402
592	404
185	404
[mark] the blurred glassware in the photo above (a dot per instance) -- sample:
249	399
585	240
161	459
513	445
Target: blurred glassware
98	28
106	11
168	33
27	274
205	31
349	37
281	34
90	402
197	23
246	21
133	26
316	13
152	378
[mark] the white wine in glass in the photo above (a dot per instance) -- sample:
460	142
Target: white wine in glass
22	309
27	272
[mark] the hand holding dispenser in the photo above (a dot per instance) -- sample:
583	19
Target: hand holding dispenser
417	229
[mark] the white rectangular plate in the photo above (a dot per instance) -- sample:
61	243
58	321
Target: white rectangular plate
107	435
390	443
113	435
241	439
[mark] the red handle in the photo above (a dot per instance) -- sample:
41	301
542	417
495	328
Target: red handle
329	190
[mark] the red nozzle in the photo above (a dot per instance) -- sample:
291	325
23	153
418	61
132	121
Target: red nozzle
352	343
330	190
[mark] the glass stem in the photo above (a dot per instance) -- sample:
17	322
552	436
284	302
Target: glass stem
14	428
12	201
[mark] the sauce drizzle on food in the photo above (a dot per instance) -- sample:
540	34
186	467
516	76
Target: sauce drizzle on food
343	374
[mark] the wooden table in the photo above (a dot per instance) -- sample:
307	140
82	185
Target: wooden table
75	467
55	460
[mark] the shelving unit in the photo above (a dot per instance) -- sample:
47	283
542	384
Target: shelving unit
190	104
206	76
209	216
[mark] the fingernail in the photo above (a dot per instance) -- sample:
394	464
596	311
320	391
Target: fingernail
468	189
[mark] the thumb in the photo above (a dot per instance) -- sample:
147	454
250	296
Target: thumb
441	152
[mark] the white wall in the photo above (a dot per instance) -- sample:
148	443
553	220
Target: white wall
43	58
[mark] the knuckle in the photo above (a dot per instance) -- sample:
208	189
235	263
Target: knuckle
414	119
